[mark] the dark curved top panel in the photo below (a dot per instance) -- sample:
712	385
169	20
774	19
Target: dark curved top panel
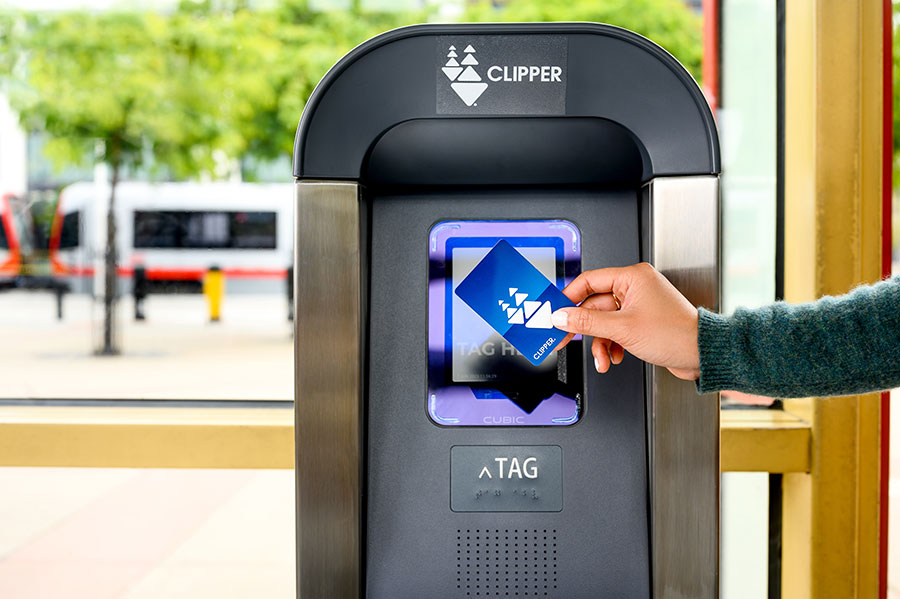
507	152
608	73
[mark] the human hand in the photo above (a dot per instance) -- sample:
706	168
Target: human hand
632	308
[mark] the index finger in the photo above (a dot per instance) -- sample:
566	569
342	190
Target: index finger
600	280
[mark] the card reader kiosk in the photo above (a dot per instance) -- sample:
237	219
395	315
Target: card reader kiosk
435	459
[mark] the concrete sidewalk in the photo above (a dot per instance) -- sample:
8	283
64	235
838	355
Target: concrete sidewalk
146	534
175	354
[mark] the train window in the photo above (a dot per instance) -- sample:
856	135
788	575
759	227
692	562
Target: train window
156	229
204	230
23	227
253	230
70	236
4	242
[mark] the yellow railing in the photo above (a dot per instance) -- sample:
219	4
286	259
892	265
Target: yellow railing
110	437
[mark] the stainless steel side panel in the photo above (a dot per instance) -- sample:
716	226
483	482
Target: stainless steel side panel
681	224
328	415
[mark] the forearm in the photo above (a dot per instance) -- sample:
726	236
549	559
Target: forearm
835	346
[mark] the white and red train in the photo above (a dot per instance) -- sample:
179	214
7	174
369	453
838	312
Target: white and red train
176	232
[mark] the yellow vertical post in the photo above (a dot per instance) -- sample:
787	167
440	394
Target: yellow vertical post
833	194
214	289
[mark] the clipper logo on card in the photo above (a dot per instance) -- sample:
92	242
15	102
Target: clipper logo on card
512	296
533	315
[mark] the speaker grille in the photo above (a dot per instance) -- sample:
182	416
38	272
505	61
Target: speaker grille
506	562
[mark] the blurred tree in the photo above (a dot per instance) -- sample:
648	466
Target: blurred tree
669	23
297	46
895	224
120	87
896	73
181	92
214	80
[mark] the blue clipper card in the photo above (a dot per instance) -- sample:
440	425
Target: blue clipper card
512	296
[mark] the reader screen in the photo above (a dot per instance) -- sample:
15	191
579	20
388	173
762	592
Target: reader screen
475	376
480	354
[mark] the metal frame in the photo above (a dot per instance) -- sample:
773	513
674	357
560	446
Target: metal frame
330	421
682	224
681	220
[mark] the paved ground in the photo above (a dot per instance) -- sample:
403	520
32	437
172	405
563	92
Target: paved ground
175	354
146	534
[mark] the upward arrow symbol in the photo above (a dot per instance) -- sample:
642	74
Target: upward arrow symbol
485	471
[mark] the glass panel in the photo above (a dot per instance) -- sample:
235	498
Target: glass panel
253	229
142	534
22	225
4	242
748	123
70	235
175	229
745	535
169	237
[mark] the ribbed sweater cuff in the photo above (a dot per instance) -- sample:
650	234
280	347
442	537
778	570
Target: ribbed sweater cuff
714	341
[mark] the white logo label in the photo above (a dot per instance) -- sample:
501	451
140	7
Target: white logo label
534	315
543	74
512	468
500	74
466	81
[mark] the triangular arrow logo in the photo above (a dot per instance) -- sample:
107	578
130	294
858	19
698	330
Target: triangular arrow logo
467	83
470	75
469	92
520	297
512	291
452	72
485	471
541	318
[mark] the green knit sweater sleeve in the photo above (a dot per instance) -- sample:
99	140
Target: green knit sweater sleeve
834	346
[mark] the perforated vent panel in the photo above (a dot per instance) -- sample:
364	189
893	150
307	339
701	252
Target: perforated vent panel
501	562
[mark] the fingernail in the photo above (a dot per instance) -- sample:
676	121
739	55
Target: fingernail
596	365
559	318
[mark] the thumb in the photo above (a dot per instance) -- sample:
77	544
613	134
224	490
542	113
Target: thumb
585	321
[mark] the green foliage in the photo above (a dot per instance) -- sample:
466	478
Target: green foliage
895	224
214	78
296	48
669	23
896	76
211	79
109	77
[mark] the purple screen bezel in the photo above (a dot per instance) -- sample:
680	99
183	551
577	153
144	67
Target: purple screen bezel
454	404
